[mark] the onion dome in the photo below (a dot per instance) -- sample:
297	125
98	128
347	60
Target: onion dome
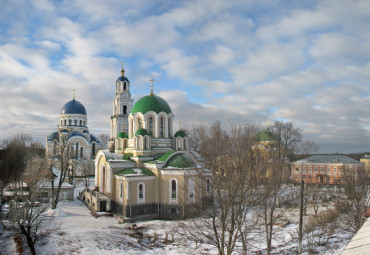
180	133
73	107
151	103
122	77
141	132
53	136
265	135
122	135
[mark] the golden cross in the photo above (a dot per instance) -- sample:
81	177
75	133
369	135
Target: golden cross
151	86
74	93
180	124
122	64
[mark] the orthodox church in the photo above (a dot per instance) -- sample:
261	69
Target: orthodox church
147	170
73	131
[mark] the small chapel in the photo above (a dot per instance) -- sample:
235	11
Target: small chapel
148	171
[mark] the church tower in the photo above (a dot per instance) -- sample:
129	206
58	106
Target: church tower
122	105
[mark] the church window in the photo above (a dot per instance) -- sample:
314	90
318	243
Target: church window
81	152
183	144
161	127
145	143
150	125
81	123
141	193
169	127
75	122
61	122
139	139
124	86
208	185
139	123
65	122
191	190
93	149
120	190
70	122
173	191
124	110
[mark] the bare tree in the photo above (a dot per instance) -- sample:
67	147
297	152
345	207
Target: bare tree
17	151
65	163
104	138
352	204
26	210
273	170
229	154
308	147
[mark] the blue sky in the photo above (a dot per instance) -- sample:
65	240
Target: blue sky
240	61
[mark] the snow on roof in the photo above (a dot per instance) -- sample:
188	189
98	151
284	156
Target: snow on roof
360	243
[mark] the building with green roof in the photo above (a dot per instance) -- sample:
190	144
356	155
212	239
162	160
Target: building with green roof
147	170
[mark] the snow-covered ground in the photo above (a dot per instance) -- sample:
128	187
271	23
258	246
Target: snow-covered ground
81	233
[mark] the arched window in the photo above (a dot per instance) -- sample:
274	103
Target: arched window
93	149
208	185
81	123
124	86
139	140
65	122
145	143
121	191
150	125
191	190
75	122
139	123
183	144
141	193
169	127
102	184
173	191
70	122
161	126
81	152
61	122
124	110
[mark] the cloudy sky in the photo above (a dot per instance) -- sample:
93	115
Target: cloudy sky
242	61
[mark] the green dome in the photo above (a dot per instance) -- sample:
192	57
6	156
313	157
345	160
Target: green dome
122	135
180	160
180	133
141	132
265	135
151	103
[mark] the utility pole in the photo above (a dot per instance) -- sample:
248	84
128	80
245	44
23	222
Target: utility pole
301	219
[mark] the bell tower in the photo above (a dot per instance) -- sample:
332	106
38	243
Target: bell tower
122	105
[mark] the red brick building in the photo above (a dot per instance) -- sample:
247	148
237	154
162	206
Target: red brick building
325	169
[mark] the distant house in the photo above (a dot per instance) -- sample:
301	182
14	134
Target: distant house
366	160
326	169
66	191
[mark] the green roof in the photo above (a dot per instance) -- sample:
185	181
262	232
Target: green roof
265	135
164	157
180	133
151	103
122	135
142	132
128	171
180	160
